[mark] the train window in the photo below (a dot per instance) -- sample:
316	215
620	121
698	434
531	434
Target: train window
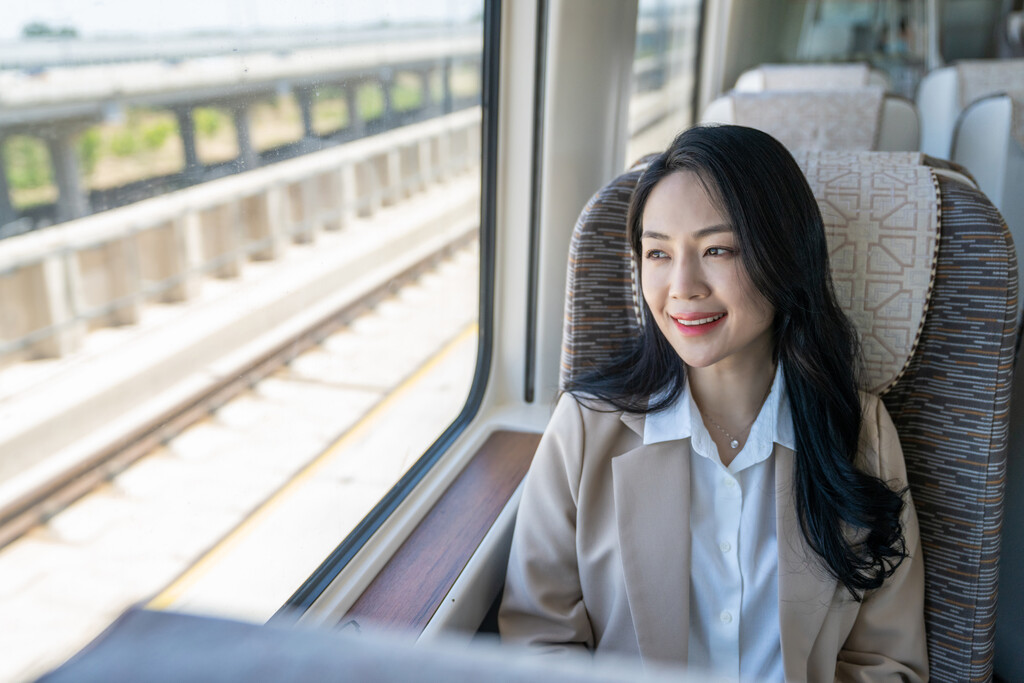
664	74
901	40
240	273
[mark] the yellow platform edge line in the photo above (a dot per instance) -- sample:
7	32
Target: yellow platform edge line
173	592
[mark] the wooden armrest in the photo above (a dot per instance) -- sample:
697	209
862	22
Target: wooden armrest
411	586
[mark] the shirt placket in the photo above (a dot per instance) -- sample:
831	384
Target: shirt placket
725	645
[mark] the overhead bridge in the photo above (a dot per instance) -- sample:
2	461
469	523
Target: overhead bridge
59	103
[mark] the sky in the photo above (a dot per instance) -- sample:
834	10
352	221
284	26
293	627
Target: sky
160	17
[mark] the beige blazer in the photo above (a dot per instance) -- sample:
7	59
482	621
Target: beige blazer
601	556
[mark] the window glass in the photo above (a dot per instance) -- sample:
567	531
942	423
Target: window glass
893	37
664	74
239	273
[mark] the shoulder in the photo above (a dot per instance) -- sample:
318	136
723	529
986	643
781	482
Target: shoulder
590	409
578	444
879	452
586	428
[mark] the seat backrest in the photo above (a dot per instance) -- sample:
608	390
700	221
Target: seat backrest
852	119
989	141
946	92
948	397
810	77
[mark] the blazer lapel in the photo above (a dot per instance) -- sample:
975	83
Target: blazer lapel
652	485
805	586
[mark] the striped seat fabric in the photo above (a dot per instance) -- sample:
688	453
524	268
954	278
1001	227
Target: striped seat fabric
949	400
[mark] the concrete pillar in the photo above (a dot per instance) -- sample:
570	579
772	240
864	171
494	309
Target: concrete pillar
221	240
7	212
185	258
116	262
426	100
187	131
330	201
386	78
424	161
56	310
369	177
72	201
446	86
304	96
355	118
392	183
408	170
301	214
347	195
263	218
442	156
246	152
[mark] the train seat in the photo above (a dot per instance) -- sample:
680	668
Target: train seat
852	119
947	389
944	93
810	77
989	141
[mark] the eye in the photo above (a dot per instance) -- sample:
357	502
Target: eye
653	254
718	251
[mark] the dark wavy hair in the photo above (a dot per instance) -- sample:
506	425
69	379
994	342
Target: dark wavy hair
849	518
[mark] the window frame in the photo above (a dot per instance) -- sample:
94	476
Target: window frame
322	577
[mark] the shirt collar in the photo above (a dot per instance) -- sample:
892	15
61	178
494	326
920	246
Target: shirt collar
681	420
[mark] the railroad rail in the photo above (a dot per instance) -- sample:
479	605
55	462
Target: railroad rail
51	496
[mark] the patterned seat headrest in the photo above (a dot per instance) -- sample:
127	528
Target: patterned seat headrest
977	78
981	78
881	215
814	76
835	119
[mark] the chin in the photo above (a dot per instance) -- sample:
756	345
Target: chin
692	360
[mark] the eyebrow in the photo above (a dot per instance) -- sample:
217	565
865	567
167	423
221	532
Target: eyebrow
703	232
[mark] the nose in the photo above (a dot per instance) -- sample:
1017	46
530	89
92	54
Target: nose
688	279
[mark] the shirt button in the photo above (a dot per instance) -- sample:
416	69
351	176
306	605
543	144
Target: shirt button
724	546
729	482
726	617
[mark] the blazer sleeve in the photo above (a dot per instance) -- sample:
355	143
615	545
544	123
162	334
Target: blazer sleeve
888	640
542	604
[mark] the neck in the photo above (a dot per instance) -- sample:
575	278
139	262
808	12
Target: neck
732	393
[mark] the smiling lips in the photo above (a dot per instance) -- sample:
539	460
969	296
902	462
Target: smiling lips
694	324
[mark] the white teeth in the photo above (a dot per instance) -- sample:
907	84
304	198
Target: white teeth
702	321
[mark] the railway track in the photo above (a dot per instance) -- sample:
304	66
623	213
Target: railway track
39	505
136	518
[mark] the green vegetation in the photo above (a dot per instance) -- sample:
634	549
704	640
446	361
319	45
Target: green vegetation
28	162
370	100
405	96
29	171
139	143
208	121
155	135
142	132
89	148
330	112
124	143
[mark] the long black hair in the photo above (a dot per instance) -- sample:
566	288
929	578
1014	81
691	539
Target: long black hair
849	518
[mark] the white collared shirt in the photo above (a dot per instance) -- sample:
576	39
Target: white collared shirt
734	561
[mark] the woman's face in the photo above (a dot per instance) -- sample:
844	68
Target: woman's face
693	280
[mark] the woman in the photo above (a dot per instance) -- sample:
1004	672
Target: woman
722	495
